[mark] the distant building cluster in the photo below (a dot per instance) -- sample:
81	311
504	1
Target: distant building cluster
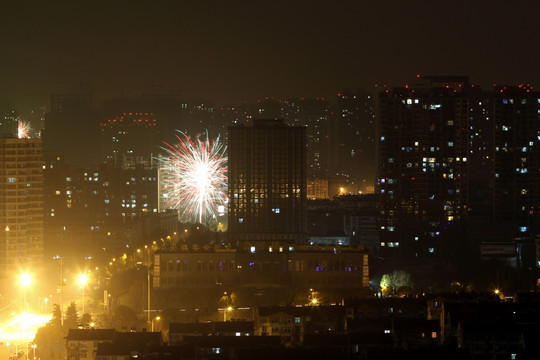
423	171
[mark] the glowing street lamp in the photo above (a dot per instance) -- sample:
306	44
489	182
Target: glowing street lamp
157	318
25	280
227	309
83	279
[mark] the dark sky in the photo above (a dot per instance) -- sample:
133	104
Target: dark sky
234	50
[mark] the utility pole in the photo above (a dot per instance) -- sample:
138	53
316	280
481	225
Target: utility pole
61	290
149	287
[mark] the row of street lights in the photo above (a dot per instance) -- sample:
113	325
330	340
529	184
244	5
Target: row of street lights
25	279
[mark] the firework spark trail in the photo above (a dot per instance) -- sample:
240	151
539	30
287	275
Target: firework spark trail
23	129
194	179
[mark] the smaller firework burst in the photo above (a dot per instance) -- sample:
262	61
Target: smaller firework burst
23	129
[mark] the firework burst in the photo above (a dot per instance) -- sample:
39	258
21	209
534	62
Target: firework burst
194	179
23	129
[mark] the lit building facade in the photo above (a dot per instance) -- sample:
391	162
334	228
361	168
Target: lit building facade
317	189
423	150
267	182
333	269
91	209
21	204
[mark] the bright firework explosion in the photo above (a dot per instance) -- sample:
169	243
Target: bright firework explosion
23	130
194	178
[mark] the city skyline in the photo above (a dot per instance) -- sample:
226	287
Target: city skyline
241	51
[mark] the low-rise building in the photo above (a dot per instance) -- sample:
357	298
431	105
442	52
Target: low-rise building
333	270
179	331
292	323
82	344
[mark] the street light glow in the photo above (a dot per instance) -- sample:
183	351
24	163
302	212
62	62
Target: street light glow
25	279
83	279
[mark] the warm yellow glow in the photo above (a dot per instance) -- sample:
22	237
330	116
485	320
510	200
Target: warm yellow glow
497	291
25	279
314	301
21	328
229	308
83	279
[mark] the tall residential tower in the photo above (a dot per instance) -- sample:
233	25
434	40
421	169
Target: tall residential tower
423	161
21	204
267	182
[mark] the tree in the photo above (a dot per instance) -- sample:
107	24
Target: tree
71	321
401	279
385	281
398	279
86	320
56	320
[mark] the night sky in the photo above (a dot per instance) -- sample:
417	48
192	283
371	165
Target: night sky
231	51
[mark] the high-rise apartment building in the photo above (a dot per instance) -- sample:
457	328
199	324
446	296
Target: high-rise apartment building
423	164
21	204
353	135
516	154
315	115
130	140
267	182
